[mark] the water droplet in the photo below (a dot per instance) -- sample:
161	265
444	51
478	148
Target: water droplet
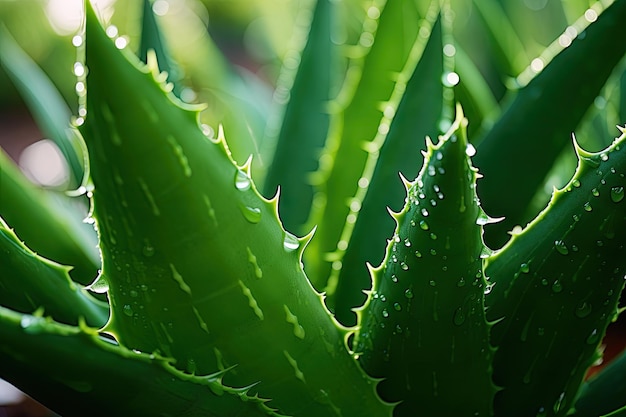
459	317
583	310
424	225
488	288
617	194
100	285
559	403
385	313
290	242
128	310
433	252
595	192
432	283
524	268
242	181
394	278
418	254
461	282
412	223
587	206
544	282
560	247
404	266
593	337
397	306
576	217
252	214
433	236
408	293
557	287
576	183
407	242
133	293
424	213
148	250
604	157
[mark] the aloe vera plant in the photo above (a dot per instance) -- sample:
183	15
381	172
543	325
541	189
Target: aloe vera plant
402	297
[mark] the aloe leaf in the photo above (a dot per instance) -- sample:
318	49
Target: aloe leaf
542	114
556	288
424	328
40	356
390	31
509	48
152	39
479	102
418	104
622	96
237	99
46	222
45	103
180	287
604	392
30	282
306	119
617	413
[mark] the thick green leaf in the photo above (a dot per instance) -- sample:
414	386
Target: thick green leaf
424	328
556	286
542	114
209	280
152	39
29	282
45	103
50	223
604	392
78	373
390	32
305	122
510	52
419	106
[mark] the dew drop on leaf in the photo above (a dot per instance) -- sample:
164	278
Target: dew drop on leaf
242	181
560	247
593	337
290	242
100	285
408	293
148	250
587	206
617	194
583	310
251	214
424	225
459	317
557	287
397	306
128	310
